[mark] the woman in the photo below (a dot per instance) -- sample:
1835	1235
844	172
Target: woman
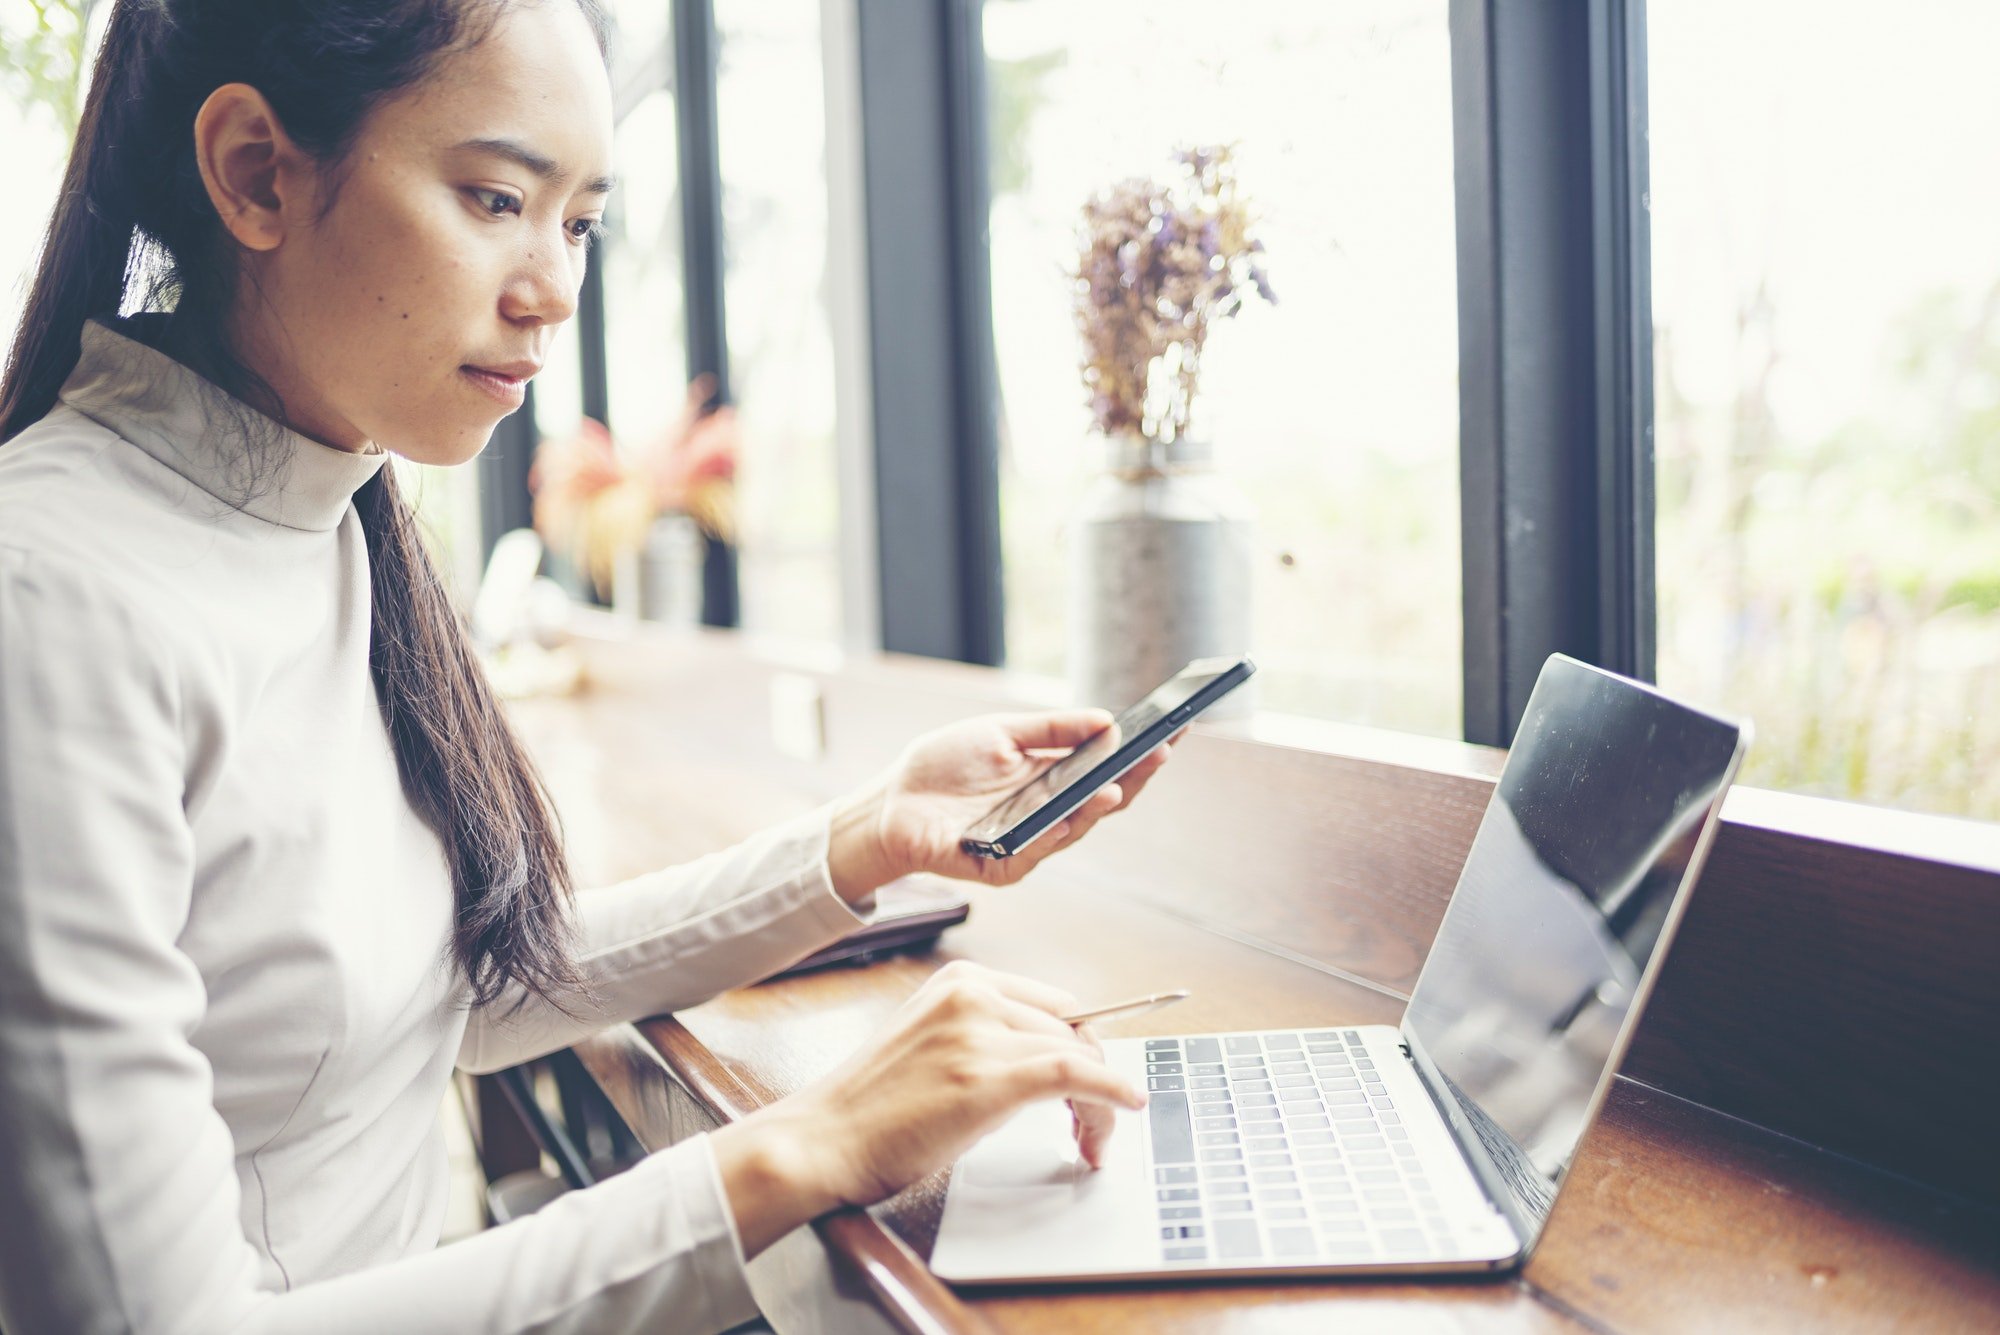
271	862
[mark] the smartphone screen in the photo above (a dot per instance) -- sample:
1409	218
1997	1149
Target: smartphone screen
1064	786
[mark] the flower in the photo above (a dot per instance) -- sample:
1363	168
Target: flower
595	500
1158	262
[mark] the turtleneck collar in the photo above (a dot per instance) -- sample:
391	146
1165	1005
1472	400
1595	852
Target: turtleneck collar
195	428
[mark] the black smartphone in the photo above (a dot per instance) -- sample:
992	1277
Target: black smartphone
1062	788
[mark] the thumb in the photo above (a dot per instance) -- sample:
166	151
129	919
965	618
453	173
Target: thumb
1057	728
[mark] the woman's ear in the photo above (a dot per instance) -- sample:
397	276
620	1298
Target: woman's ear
250	166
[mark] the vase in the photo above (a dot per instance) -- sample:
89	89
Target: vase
1160	553
662	580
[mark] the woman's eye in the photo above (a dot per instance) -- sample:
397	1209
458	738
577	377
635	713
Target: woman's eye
497	202
586	230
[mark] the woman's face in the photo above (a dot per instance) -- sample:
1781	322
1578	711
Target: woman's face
413	313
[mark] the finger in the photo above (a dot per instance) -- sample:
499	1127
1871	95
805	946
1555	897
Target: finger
1072	1073
1075	826
1046	998
1141	774
1057	728
1094	1124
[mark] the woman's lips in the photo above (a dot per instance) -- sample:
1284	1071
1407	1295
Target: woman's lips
507	389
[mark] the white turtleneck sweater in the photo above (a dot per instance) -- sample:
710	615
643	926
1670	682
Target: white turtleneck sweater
228	1010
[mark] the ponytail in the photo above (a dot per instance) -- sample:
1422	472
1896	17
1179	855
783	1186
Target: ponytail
134	229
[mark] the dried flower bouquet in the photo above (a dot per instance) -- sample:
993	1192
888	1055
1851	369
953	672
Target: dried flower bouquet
1159	263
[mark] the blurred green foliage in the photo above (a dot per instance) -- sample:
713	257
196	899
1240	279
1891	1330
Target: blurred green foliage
42	54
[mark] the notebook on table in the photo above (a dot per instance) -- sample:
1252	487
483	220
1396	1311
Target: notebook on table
1438	1145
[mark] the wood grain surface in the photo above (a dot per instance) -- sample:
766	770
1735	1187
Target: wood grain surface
1836	994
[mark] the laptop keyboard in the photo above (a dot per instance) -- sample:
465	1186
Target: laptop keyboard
1284	1147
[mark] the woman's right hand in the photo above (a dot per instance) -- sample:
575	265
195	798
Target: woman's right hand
970	1047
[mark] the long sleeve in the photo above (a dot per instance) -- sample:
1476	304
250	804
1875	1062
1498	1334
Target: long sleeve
119	1197
674	938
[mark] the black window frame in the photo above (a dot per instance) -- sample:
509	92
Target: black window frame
1555	333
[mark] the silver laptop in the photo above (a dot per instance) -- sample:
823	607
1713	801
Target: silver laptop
1438	1146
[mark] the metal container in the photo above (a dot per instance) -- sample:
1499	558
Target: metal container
1160	553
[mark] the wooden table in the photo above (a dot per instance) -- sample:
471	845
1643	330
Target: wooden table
1679	1216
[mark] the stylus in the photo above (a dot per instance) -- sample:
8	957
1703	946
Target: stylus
1136	1006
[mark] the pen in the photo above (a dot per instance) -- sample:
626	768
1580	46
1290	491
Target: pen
1136	1006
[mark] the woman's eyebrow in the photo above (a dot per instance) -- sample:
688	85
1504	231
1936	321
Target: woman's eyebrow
540	164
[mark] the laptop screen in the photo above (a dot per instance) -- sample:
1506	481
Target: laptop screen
1562	906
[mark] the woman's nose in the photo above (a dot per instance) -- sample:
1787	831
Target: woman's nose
544	290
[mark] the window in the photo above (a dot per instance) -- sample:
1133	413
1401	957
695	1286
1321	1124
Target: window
1826	295
1336	411
771	122
40	62
645	343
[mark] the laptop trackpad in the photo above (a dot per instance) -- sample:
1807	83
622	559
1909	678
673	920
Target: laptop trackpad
1034	1148
1023	1205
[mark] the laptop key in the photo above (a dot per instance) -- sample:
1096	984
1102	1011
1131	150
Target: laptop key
1157	1082
1230	1205
1173	1134
1282	1041
1168	1213
1186	1253
1164	1068
1243	1044
1291	1242
1204	1050
1173	1177
1237	1240
1160	1044
1180	1193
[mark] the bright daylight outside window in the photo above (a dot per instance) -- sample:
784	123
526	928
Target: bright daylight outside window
1826	296
1336	411
772	128
645	351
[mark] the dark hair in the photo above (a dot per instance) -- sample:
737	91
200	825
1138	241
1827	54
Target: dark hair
134	229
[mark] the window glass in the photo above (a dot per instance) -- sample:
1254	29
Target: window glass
38	77
644	316
1336	411
1826	296
772	131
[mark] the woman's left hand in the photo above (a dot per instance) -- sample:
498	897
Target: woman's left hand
913	818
